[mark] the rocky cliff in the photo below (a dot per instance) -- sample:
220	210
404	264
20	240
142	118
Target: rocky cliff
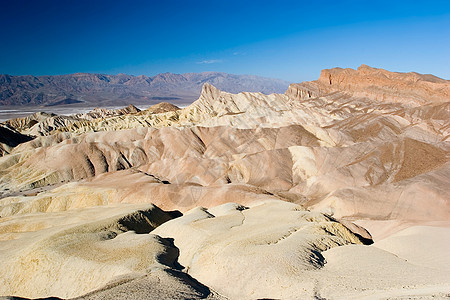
376	85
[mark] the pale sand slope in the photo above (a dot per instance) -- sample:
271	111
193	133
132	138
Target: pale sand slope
412	263
240	254
272	249
407	261
354	272
427	252
70	253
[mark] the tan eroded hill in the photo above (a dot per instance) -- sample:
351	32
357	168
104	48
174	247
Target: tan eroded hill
366	146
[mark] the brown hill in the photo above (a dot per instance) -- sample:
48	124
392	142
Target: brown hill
376	84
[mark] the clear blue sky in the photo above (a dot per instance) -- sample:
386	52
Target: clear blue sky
291	40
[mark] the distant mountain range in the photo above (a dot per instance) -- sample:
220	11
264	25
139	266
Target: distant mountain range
122	89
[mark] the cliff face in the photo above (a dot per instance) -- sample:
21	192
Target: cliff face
376	85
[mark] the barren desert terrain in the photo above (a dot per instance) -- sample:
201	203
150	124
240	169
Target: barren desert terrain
336	189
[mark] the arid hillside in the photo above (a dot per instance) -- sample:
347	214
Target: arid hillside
336	189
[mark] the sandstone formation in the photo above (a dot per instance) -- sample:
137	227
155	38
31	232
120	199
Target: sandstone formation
273	188
376	85
40	123
98	112
161	107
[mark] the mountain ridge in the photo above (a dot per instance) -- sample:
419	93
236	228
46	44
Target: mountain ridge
103	89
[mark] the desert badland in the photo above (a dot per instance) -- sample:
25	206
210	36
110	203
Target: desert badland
336	189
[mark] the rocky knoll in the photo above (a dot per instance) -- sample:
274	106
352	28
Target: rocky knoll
107	113
279	194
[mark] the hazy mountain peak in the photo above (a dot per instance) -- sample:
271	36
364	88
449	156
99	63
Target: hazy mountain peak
122	89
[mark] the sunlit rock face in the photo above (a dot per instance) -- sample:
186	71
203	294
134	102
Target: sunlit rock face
376	85
266	182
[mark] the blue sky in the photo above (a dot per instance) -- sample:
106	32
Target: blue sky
291	40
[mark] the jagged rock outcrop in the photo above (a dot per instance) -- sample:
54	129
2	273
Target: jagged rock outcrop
376	85
159	108
25	123
40	123
98	112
